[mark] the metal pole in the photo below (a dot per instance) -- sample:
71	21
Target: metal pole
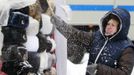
115	4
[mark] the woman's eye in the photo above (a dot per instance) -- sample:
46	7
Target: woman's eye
108	24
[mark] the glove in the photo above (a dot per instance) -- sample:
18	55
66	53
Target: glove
44	5
91	69
44	44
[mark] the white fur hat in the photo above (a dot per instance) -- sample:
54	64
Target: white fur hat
17	4
4	12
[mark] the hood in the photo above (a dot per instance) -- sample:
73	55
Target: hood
124	17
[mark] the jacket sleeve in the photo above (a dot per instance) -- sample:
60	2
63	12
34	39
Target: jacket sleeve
71	32
126	63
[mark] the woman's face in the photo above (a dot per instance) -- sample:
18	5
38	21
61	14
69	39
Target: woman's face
111	27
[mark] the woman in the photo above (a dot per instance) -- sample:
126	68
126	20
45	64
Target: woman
111	52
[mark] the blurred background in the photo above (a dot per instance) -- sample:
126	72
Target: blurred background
89	12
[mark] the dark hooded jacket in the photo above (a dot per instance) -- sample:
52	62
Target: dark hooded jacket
114	55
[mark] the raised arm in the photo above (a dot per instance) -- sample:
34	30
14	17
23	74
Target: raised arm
71	32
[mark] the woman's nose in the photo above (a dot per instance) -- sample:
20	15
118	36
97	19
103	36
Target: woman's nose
110	25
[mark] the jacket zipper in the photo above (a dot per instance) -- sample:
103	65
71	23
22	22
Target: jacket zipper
101	51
